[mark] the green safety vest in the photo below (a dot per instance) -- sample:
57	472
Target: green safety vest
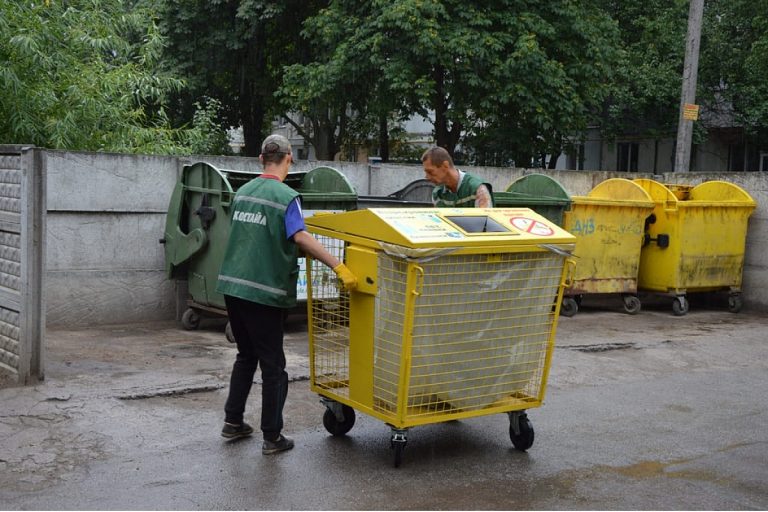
260	264
465	196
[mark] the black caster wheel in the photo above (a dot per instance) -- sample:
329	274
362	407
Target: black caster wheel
521	434
569	307
680	306
229	334
336	427
190	320
398	449
397	443
631	304
735	303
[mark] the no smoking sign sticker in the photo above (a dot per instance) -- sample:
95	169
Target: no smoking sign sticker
532	226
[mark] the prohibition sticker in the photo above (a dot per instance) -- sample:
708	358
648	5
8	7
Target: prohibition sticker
531	226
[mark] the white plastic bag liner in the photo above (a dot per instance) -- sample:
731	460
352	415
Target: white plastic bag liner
481	328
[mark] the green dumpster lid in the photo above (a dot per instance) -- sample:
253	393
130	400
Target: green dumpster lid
327	180
538	186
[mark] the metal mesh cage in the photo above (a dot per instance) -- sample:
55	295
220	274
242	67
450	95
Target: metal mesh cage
476	330
329	323
480	333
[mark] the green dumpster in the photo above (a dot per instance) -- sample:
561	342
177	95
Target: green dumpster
538	192
198	223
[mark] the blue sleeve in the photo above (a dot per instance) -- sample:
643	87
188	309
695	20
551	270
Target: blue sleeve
294	218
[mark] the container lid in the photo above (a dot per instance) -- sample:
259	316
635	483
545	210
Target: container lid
326	179
442	227
617	192
710	194
538	186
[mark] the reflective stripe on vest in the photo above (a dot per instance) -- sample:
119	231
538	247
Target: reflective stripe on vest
252	284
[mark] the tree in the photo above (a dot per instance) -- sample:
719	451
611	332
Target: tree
645	95
518	67
83	75
234	51
734	64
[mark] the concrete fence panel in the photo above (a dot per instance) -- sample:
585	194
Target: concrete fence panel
22	253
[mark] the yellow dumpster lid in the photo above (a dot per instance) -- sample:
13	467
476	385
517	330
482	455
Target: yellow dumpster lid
444	227
617	192
707	194
721	192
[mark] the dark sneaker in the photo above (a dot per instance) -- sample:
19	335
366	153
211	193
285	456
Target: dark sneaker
232	431
282	444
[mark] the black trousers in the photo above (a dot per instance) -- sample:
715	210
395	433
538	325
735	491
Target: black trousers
258	331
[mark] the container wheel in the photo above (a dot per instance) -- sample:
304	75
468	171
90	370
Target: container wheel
735	303
334	426
190	320
632	304
680	306
520	431
397	443
228	333
569	307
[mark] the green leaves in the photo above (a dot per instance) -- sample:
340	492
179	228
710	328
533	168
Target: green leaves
474	66
84	75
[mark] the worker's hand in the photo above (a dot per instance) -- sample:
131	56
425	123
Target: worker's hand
346	276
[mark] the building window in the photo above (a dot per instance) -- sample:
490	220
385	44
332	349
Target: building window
627	156
575	158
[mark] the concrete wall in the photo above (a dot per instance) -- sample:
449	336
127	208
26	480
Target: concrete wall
106	213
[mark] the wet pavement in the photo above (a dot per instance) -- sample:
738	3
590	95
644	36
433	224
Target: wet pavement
649	411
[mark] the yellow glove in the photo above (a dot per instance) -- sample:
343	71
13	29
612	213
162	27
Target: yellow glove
346	276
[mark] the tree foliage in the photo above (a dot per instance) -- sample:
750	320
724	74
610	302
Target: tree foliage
83	74
734	64
234	51
528	71
645	91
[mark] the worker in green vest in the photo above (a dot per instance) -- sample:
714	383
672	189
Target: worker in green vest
258	279
454	188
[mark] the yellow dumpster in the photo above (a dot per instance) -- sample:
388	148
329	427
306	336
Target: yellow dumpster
608	224
454	316
695	241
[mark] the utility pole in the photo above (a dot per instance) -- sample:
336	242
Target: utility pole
688	108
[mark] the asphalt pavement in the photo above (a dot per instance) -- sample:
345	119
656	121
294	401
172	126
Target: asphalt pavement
650	412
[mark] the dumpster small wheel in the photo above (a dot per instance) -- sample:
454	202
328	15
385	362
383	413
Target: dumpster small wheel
522	437
569	307
336	427
680	306
190	320
632	304
735	303
228	333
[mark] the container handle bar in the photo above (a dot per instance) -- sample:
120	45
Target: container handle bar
570	272
419	285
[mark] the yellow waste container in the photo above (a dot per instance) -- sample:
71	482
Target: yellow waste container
454	316
609	224
695	241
